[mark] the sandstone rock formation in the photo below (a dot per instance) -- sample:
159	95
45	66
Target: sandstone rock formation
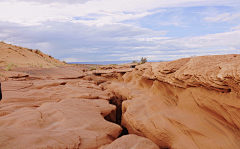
131	142
187	103
56	114
184	104
70	123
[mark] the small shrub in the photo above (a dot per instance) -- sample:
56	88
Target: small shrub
31	64
9	67
2	41
143	60
30	50
50	56
93	68
134	61
64	62
38	51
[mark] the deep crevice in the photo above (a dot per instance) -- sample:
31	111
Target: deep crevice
124	132
117	101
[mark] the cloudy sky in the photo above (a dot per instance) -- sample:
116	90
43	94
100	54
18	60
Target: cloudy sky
118	30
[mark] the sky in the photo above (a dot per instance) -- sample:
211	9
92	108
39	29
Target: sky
120	30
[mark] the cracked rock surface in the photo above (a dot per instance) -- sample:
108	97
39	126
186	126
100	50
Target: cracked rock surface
55	113
189	103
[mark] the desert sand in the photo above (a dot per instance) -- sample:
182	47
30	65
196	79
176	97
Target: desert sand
190	103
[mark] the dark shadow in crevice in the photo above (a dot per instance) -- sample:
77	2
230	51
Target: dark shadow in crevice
63	83
124	132
0	92
117	101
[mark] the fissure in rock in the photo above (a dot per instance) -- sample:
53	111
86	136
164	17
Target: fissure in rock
117	101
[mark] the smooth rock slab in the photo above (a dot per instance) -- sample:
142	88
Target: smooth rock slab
70	123
131	142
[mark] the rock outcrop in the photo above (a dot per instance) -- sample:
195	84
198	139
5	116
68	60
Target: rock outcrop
56	114
190	103
70	123
187	103
131	142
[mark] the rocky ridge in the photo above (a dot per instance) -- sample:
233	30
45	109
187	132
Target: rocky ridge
187	103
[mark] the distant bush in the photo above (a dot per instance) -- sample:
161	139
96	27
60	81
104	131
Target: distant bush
2	41
143	60
38	51
64	62
134	61
93	68
9	67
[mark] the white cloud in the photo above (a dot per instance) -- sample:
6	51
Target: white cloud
100	12
71	59
54	1
112	18
236	27
76	42
223	17
93	30
220	43
219	39
33	13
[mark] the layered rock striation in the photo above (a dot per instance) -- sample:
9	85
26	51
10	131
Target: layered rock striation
187	103
55	112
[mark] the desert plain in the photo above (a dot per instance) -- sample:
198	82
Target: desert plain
189	103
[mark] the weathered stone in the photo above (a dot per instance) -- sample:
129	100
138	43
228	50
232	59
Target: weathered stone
184	104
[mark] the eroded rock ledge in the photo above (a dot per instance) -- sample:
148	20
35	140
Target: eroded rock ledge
187	103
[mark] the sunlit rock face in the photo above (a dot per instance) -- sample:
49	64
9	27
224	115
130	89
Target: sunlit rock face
55	114
187	103
131	142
